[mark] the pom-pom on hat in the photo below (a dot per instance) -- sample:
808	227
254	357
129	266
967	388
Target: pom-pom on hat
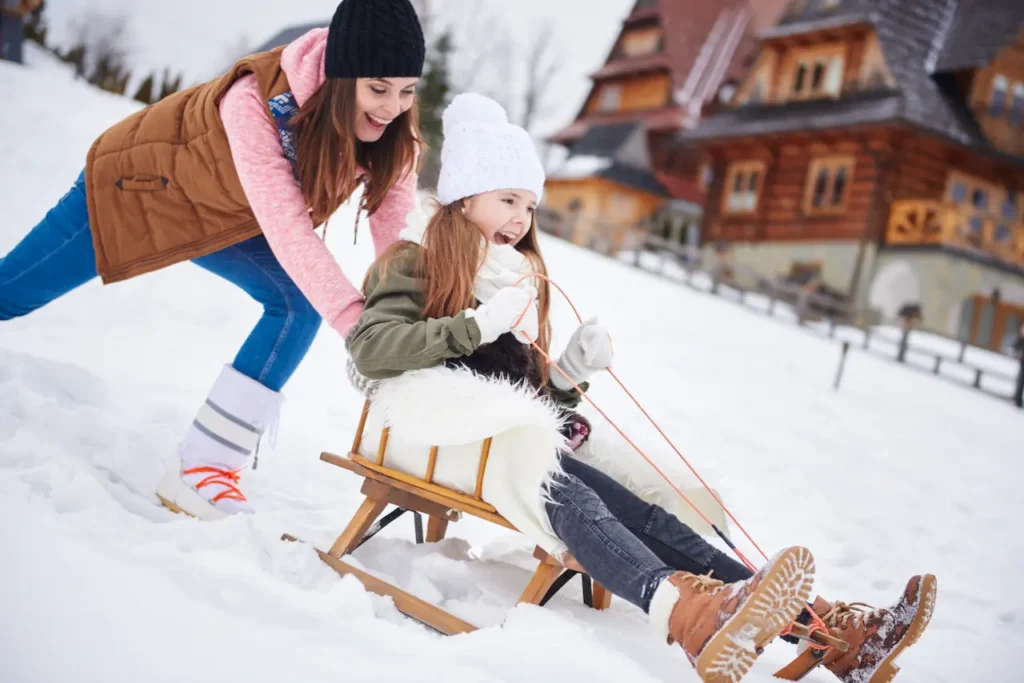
482	151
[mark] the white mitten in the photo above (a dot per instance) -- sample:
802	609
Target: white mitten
498	315
589	350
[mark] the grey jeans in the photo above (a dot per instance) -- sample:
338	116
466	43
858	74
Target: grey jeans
625	543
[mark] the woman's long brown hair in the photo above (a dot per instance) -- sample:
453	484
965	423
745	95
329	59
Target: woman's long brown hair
450	259
328	150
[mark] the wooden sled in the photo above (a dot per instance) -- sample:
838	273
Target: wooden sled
385	486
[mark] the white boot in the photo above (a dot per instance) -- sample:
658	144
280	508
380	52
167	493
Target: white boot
202	478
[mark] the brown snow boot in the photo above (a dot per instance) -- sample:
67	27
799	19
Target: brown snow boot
723	628
877	636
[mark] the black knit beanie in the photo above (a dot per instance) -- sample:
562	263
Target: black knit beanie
375	39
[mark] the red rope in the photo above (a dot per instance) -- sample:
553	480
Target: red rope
589	400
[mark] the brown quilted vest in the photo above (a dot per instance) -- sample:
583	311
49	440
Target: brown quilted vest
161	185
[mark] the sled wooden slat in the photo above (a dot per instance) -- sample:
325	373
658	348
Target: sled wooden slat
485	451
357	442
438	494
431	463
419	483
383	447
408	501
407	604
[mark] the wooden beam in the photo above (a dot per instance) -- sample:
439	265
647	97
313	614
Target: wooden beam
485	451
408	500
436	529
435	493
364	518
540	582
408	604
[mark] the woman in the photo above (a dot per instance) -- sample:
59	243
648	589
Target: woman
234	174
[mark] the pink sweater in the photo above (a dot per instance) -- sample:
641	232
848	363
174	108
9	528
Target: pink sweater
277	202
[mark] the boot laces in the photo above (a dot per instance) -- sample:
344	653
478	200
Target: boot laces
842	613
221	477
703	583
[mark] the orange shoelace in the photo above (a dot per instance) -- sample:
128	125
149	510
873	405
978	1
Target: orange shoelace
220	477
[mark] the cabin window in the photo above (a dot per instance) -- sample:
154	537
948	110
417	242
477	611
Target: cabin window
639	43
817	72
611	97
979	202
828	185
997	104
1017	104
743	181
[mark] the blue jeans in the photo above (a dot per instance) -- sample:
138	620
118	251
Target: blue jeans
625	543
57	256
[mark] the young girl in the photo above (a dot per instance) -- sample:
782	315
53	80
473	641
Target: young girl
444	350
234	175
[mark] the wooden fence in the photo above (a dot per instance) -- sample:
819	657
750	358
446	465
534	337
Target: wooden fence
991	373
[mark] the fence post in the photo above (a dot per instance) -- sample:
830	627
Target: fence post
938	362
1018	394
977	378
901	355
842	364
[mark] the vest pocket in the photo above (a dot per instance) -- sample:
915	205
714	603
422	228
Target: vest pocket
141	183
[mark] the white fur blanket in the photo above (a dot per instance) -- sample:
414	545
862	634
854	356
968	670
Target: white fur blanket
456	410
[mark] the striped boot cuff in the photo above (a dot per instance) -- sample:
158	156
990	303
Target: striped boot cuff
226	429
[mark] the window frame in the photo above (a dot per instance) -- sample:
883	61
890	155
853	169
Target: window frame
807	59
743	169
832	165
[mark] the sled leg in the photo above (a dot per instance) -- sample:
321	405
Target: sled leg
364	518
436	528
601	596
805	662
409	605
540	582
810	658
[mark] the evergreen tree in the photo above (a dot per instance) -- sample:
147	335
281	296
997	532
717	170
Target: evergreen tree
145	92
432	99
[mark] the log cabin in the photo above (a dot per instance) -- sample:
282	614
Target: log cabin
664	70
880	145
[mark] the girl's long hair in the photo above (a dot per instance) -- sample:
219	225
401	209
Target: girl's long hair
328	150
449	261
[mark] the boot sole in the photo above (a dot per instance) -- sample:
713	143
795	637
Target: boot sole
887	670
773	605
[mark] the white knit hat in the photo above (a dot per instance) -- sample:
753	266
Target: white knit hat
482	151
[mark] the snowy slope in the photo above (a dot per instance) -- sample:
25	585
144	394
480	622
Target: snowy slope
894	474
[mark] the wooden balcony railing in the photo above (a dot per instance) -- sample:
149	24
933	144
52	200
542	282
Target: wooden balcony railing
922	221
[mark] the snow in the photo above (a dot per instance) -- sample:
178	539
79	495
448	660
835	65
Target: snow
581	166
895	473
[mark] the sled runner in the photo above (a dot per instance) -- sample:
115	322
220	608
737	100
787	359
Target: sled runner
383	486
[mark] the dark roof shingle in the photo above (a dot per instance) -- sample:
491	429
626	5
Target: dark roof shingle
917	38
978	30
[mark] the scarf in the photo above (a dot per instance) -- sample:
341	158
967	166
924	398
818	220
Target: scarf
502	266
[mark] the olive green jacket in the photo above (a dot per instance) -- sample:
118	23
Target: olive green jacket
392	337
